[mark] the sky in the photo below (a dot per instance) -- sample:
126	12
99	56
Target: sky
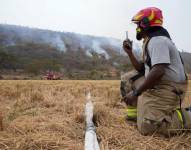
110	18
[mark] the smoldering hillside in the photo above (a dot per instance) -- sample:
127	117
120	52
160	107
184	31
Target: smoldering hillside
77	56
33	52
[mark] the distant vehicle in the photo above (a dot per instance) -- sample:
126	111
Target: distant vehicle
50	75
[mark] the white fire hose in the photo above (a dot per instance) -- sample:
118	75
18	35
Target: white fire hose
91	142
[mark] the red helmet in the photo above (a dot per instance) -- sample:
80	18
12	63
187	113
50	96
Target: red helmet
150	16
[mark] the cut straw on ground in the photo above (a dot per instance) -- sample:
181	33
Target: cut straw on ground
49	115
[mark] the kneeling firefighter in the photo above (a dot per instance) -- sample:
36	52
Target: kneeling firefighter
155	93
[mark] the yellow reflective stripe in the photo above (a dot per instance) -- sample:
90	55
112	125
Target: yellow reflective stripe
180	117
131	111
132	115
131	107
138	16
151	17
158	21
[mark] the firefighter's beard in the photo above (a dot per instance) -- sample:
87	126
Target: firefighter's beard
139	36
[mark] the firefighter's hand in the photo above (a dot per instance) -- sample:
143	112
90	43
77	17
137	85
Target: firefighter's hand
130	99
127	46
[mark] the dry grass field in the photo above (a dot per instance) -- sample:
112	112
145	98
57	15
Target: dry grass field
50	115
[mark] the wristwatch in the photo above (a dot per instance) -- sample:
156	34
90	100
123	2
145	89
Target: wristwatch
136	93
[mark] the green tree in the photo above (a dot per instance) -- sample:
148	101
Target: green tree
7	61
41	65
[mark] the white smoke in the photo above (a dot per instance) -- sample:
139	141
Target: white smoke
88	53
59	40
58	43
25	34
96	47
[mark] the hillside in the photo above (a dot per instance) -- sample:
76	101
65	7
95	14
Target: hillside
36	51
32	53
